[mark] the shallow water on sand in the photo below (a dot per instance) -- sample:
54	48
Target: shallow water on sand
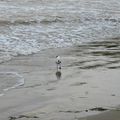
98	54
9	80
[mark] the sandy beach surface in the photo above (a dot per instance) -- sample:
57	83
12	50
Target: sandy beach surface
88	87
85	33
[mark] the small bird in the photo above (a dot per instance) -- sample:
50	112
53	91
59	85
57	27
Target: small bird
58	63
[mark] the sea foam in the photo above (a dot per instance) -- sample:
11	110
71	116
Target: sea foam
33	26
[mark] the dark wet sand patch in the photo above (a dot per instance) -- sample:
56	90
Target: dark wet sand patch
79	63
50	89
91	66
33	86
83	97
98	44
113	95
79	83
105	53
82	65
22	116
70	111
114	67
52	81
97	109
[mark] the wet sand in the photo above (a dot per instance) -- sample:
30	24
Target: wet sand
89	84
112	115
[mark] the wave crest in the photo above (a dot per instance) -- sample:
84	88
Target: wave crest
18	22
51	20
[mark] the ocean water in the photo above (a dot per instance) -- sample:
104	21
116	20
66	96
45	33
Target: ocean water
28	26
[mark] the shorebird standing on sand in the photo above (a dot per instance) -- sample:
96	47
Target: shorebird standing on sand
58	63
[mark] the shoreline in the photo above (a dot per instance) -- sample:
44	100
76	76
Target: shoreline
45	97
110	115
10	80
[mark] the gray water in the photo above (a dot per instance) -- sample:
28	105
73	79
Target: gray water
28	26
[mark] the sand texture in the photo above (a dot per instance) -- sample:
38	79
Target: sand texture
89	85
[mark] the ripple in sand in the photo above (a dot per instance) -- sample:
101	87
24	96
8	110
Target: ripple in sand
78	84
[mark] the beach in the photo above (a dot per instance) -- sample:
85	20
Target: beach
86	36
88	86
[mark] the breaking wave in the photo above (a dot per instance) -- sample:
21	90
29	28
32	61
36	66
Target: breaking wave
17	22
33	26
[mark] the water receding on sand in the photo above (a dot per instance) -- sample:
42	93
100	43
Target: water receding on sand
9	80
98	54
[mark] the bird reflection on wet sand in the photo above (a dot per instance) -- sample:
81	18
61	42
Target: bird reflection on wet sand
58	75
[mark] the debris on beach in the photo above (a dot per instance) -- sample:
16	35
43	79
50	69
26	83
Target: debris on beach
21	116
98	109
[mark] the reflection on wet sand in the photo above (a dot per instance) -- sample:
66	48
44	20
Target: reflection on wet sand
58	75
98	54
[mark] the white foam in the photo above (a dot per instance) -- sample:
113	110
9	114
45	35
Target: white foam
71	23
